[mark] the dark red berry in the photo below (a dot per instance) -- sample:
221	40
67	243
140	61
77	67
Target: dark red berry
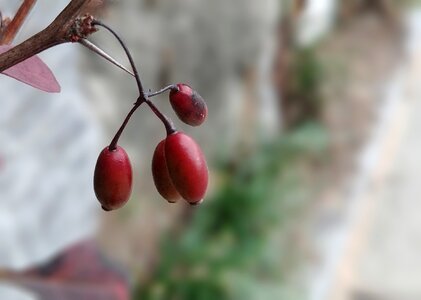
113	178
188	105
187	166
161	177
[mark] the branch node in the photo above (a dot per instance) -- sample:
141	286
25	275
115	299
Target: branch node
81	28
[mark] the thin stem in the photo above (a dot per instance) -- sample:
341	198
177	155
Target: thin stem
169	126
129	56
14	26
113	144
169	87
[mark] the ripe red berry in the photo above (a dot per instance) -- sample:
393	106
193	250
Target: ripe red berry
161	176
113	178
187	167
188	105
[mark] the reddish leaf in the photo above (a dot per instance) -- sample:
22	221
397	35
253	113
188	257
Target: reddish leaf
34	72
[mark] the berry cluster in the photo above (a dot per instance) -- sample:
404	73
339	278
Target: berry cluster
179	167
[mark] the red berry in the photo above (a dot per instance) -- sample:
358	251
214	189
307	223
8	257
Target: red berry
113	178
161	176
188	105
186	166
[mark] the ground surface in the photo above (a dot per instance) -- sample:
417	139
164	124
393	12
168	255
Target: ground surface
372	246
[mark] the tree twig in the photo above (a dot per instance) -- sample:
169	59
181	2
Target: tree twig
14	26
68	26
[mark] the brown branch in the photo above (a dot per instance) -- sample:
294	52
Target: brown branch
65	28
14	26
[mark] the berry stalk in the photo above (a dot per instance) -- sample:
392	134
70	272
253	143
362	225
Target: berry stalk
113	144
140	100
167	88
169	126
129	56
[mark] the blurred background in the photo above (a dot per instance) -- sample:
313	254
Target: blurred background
313	142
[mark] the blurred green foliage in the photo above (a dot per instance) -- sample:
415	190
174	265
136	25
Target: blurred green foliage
301	92
231	247
408	3
307	73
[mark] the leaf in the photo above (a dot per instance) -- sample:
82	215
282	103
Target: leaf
33	71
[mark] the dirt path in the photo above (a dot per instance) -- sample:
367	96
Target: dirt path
378	252
389	266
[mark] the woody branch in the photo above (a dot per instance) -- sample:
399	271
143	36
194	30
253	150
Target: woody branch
69	26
